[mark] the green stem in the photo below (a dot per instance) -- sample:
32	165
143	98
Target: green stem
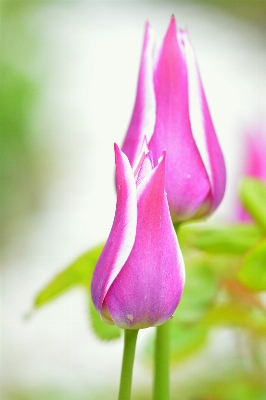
161	384
130	340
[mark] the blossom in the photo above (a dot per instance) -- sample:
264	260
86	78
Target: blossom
254	162
171	111
139	278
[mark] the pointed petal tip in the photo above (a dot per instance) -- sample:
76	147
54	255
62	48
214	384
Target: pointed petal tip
147	25
172	24
148	32
117	151
149	41
150	158
120	156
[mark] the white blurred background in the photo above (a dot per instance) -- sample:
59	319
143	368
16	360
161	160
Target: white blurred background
84	59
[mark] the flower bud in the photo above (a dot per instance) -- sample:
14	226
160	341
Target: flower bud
139	278
172	112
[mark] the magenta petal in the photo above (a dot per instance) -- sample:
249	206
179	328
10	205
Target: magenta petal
148	289
143	117
121	237
203	129
187	184
255	163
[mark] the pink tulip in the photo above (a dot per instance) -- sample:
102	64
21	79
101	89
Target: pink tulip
172	112
254	163
139	278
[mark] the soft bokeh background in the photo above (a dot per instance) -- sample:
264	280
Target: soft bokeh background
68	79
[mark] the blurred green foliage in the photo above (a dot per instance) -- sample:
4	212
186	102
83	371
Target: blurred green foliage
53	393
253	270
253	197
18	178
20	158
78	273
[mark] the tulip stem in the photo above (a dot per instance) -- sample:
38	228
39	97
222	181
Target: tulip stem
161	384
130	339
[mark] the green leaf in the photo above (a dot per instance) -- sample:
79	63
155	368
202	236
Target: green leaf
253	270
199	292
215	382
100	328
185	340
253	198
78	273
230	239
233	314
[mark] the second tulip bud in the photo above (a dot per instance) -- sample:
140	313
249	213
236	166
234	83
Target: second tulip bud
171	111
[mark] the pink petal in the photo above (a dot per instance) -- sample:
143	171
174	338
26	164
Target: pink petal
187	183
143	117
148	289
121	237
203	129
256	155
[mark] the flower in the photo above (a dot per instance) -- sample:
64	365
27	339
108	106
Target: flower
139	278
172	112
254	162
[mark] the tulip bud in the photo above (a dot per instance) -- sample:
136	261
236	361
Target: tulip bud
139	278
172	111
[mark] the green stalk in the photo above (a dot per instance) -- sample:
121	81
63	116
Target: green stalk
130	339
161	384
